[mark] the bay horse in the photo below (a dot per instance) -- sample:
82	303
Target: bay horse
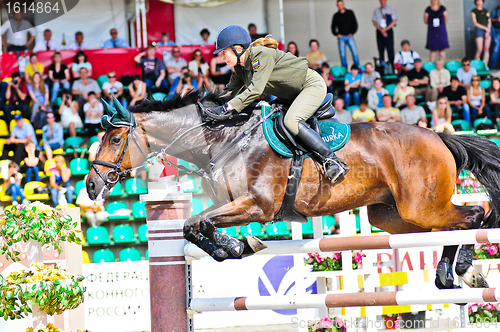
404	174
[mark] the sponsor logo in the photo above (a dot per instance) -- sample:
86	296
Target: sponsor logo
332	137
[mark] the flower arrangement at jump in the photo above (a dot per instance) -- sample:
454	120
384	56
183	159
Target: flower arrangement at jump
486	251
328	324
51	287
484	313
468	184
332	261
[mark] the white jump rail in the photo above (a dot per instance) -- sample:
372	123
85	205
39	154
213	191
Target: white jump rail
396	241
345	300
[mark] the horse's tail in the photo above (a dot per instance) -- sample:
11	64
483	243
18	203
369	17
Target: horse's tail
481	157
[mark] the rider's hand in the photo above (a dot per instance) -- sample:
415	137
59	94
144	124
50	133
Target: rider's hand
219	110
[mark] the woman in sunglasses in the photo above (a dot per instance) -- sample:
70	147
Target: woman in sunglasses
441	116
476	98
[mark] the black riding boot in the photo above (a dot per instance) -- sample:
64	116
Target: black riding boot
333	166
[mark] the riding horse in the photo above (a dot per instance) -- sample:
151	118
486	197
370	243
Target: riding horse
404	174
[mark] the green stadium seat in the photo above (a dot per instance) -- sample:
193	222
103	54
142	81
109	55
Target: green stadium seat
209	203
453	66
278	229
73	142
253	228
139	210
129	254
231	231
197	206
58	102
159	96
327	223
463	124
307	228
358	223
114	213
481	121
142	233
135	186
485	84
98	235
428	66
79	186
103	256
391	88
93	139
117	190
79	166
146	254
353	107
101	80
338	73
496	141
123	234
481	68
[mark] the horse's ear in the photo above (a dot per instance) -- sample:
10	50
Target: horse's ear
108	109
121	110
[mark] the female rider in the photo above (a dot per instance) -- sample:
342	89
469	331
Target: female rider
262	68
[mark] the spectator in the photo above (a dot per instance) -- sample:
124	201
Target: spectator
79	62
402	90
384	19
325	73
482	21
436	18
344	26
439	78
376	94
83	86
47	44
185	84
387	113
59	181
137	90
220	71
94	148
114	41
93	113
204	38
341	114
367	79
78	43
418	78
441	116
31	163
252	29
403	62
363	114
457	98
153	69
92	210
174	64
12	184
39	93
33	67
52	136
59	75
199	69
315	57
69	112
465	73
21	134
351	86
17	41
292	48
476	97
165	40
413	114
495	100
495	31
16	94
113	87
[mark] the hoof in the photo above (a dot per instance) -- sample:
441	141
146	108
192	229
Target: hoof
474	279
444	276
219	255
254	243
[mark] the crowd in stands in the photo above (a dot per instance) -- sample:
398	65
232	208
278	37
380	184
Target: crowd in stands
64	101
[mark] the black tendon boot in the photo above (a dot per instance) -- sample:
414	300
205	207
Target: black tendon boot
333	166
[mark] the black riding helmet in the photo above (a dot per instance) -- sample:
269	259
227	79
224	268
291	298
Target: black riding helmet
230	36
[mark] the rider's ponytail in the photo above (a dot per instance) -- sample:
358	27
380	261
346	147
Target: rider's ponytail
266	41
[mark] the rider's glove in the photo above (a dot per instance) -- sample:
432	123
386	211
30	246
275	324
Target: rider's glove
220	113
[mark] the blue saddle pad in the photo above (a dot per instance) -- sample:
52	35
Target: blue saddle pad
334	134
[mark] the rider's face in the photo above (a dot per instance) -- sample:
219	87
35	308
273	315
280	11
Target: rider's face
229	57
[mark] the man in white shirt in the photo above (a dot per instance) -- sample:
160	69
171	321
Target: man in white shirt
47	44
113	87
465	73
405	58
174	64
17	31
78	43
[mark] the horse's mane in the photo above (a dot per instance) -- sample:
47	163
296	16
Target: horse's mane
177	102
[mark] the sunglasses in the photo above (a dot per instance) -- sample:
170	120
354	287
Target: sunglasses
442	103
475	80
197	55
111	76
50	117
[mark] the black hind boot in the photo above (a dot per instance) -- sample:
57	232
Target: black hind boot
333	166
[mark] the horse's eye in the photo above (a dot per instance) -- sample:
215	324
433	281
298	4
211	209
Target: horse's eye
115	140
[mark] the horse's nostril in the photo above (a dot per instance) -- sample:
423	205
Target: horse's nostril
91	185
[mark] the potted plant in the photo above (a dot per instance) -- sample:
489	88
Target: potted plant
486	251
391	321
484	313
328	324
332	261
